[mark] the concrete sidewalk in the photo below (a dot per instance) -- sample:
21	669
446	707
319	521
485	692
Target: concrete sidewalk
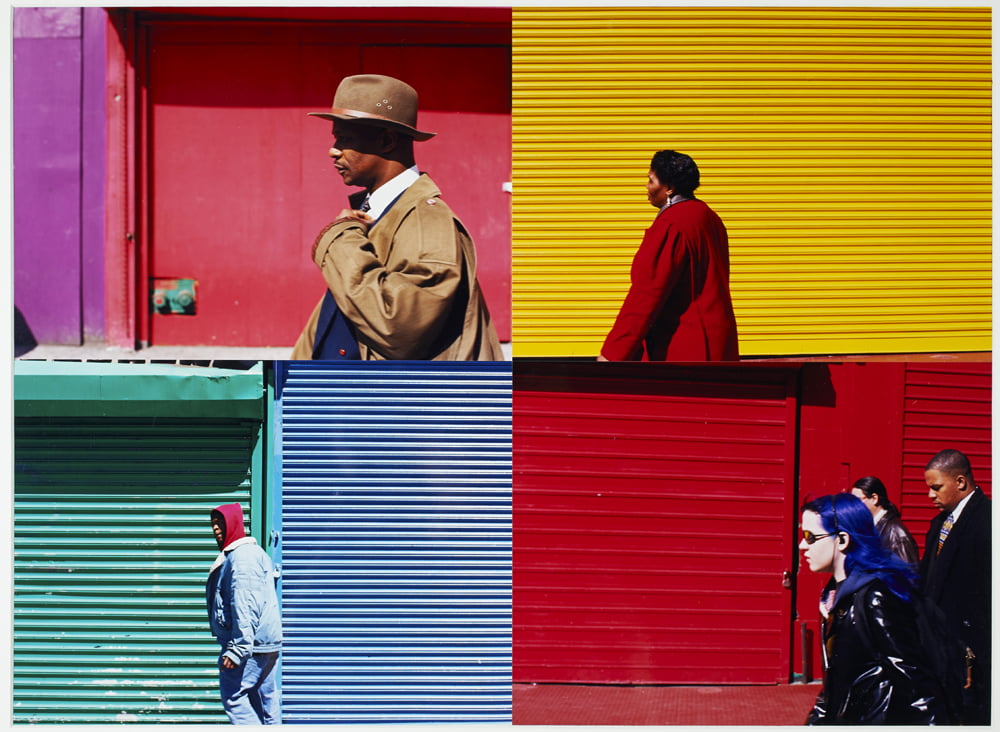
548	704
202	355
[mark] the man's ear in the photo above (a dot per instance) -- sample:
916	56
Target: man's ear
387	140
963	483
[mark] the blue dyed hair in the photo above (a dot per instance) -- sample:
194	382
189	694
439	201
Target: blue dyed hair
846	513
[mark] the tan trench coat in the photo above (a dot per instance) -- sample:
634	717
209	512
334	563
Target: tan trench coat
408	286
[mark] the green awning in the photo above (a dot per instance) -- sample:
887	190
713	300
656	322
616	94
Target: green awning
88	389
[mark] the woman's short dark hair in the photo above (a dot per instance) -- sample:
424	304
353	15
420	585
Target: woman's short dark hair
676	170
872	486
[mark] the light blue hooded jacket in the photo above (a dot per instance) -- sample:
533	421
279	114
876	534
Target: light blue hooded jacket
242	603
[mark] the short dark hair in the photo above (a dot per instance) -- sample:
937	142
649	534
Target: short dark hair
952	463
677	170
872	486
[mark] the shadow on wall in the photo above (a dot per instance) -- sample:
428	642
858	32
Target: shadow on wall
24	339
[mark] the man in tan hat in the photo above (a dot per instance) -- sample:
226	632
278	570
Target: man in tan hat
400	268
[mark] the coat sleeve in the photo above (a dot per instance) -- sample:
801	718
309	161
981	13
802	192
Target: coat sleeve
930	541
245	594
303	349
656	269
903	545
399	307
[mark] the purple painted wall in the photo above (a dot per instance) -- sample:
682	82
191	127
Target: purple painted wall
58	131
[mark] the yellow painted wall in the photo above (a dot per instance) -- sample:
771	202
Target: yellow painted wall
848	151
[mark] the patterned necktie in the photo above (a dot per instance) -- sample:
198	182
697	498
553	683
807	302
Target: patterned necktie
366	206
945	528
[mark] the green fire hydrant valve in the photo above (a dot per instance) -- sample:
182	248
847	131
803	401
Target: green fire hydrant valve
174	296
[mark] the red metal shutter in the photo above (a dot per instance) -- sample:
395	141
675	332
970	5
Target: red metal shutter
653	518
239	179
946	406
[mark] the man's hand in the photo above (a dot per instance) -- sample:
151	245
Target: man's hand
352	214
601	358
227	662
347	214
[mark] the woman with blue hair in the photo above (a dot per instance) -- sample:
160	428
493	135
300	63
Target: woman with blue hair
876	669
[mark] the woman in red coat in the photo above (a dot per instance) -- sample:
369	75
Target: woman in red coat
678	308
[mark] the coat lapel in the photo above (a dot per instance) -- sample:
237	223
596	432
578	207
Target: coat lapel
941	564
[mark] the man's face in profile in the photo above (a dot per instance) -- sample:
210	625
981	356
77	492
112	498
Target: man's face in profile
356	152
945	491
218	530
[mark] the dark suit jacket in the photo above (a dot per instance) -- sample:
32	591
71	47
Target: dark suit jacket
959	578
335	340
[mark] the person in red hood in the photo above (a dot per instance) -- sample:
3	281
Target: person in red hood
245	618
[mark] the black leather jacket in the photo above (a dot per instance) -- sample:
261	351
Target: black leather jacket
896	538
875	668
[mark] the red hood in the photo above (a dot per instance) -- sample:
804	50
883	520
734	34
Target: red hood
232	522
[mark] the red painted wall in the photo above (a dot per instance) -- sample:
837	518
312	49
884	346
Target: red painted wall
944	406
235	180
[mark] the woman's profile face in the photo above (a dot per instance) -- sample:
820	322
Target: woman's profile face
657	192
871	502
819	554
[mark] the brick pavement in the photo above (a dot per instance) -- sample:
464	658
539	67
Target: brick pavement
572	704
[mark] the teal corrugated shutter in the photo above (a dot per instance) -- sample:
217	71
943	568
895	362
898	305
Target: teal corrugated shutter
396	542
112	548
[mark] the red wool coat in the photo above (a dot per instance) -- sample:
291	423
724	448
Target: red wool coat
678	308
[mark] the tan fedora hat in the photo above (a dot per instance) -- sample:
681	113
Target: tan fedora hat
377	100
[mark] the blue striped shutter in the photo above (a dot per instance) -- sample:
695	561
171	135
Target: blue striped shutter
396	549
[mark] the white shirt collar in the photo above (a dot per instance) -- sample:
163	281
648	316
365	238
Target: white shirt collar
671	200
880	514
957	511
385	194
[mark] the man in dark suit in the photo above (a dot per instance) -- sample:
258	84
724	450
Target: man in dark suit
956	570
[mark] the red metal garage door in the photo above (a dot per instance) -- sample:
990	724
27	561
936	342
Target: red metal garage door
654	516
945	406
239	182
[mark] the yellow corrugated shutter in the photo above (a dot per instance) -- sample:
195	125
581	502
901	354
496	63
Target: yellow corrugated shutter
848	151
